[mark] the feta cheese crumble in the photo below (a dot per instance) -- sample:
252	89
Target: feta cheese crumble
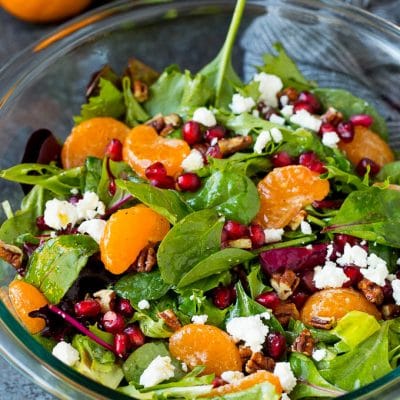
59	213
330	276
355	255
396	290
285	374
377	270
90	206
284	100
143	304
269	87
66	353
287	111
319	354
276	119
193	161
273	235
159	370
241	104
305	228
276	135
93	227
262	140
200	319
232	376
204	116
330	139
306	120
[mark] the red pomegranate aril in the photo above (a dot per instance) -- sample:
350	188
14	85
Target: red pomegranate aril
364	163
282	159
114	150
112	187
87	308
235	230
276	345
268	299
309	98
214	151
222	297
310	160
354	275
326	127
189	182
216	132
299	299
41	224
191	132
302	105
362	119
113	322
166	182
257	235
388	292
156	171
122	344
217	382
136	336
124	307
345	130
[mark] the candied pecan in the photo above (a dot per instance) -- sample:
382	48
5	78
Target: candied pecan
297	220
170	319
259	361
332	116
173	119
11	254
232	145
146	260
157	122
290	92
106	298
245	353
323	322
372	292
140	91
168	128
304	343
390	311
285	284
284	312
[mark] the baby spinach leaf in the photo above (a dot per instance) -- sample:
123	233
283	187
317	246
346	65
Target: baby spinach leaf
216	263
55	266
135	114
390	172
211	282
310	382
196	93
168	203
152	327
348	105
139	286
231	194
92	174
256	285
372	214
191	240
348	181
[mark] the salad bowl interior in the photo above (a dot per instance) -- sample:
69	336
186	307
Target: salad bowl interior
44	86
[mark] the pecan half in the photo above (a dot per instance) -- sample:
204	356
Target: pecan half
304	343
390	311
157	122
11	254
285	284
284	312
323	322
232	145
140	91
170	319
372	292
146	260
245	353
258	362
332	116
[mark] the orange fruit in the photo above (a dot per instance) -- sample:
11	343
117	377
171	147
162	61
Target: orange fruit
90	138
367	144
336	303
246	383
127	233
144	147
44	10
206	345
285	191
26	298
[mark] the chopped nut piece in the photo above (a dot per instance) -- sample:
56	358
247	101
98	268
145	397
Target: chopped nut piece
284	312
146	260
157	122
297	220
390	311
106	298
140	91
323	322
241	243
258	362
232	145
372	292
290	92
168	128
285	284
11	254
170	319
173	119
245	353
304	343
332	116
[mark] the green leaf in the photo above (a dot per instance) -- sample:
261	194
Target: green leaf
135	114
55	266
390	172
109	103
261	391
168	203
295	327
231	194
196	93
349	182
180	392
92	174
256	285
154	328
191	240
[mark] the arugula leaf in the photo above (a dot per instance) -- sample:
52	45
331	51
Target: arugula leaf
191	240
168	203
135	114
284	67
256	285
55	266
109	103
390	172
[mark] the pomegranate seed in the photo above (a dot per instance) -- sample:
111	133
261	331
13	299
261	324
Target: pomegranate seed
189	182
136	336
299	299
75	199
345	130
112	187
307	281
113	322
87	308
41	224
156	171
269	300
122	344
235	230
341	239
282	159
124	307
354	275
191	131
326	127
214	151
362	119
114	150
216	132
388	292
257	235
309	98
166	182
302	105
222	297
276	345
310	160
217	382
363	164
265	111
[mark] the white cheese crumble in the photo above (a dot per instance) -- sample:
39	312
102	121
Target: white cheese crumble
241	104
276	119
396	290
204	116
330	139
159	370
329	251
285	396
306	120
193	161
276	135
184	367
66	353
284	100
287	111
90	206
59	213
262	140
319	354
329	276
273	235
355	255
143	305
249	329
398	261
305	228
269	87
377	270
255	113
200	319
232	376
74	191
93	227
285	374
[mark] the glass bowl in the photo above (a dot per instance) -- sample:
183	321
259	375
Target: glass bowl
44	86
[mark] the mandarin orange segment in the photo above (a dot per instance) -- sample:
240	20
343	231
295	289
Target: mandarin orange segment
90	138
336	303
367	144
144	147
206	345
127	233
285	191
26	298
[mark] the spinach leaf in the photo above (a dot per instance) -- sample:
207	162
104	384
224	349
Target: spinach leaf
231	194
310	382
109	103
196	93
256	285
211	282
55	266
139	286
348	105
152	327
134	111
348	181
295	327
191	240
168	203
371	214
284	67
390	172
92	174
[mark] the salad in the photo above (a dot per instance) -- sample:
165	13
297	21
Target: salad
196	236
